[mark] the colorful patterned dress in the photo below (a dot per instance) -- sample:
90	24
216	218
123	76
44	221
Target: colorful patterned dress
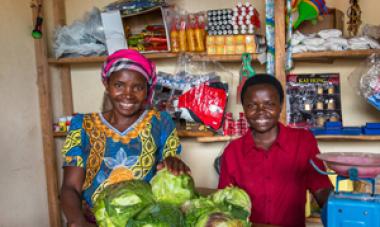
109	156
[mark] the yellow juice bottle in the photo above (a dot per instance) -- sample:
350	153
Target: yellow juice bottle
182	36
190	34
174	38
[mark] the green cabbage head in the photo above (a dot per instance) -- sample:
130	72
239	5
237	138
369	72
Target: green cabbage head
172	189
233	197
158	215
117	203
220	219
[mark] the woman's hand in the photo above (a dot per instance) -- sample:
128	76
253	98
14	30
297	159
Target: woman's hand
175	165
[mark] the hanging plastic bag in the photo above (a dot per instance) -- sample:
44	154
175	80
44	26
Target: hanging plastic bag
366	80
82	38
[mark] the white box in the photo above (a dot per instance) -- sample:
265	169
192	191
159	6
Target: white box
114	31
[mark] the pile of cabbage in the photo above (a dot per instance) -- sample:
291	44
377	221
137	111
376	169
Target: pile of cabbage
170	201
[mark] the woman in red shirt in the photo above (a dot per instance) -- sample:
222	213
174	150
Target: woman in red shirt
271	161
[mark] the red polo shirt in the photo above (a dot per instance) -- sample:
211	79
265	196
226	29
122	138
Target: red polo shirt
275	179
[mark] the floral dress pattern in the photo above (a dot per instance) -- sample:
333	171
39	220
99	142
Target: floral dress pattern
109	156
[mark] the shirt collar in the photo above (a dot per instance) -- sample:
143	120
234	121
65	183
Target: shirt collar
280	141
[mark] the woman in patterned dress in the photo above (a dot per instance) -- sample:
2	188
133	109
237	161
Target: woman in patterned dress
131	141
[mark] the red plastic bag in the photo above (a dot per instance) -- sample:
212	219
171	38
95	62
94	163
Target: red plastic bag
206	102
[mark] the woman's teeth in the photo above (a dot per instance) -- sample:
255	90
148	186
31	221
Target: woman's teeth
126	105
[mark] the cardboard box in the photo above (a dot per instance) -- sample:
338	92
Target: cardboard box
135	23
333	20
118	28
114	31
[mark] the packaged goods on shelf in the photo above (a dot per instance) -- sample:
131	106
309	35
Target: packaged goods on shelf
365	79
236	127
330	40
313	99
334	19
187	31
145	31
63	124
197	92
83	37
235	44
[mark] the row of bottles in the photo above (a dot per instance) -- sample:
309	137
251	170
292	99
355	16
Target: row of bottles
188	33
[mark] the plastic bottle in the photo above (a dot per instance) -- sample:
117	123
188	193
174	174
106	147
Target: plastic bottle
199	36
190	34
182	36
174	38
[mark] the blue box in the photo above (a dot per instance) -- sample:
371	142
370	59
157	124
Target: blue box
351	131
346	209
373	125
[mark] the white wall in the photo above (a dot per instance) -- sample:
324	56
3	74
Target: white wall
23	193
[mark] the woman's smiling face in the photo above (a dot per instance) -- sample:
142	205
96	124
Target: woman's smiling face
127	90
262	107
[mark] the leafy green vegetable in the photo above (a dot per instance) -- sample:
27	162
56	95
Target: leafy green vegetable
220	219
203	212
172	189
158	215
118	203
233	197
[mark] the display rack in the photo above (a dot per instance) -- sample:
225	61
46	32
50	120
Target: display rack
322	138
64	65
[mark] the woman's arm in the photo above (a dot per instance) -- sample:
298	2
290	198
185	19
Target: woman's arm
73	178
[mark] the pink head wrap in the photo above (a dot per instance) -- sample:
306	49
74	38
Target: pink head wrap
131	60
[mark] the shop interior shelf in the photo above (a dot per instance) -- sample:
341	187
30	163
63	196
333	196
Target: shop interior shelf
319	137
100	59
335	54
225	58
205	137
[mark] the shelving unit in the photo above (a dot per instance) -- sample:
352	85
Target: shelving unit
329	55
322	138
101	59
64	65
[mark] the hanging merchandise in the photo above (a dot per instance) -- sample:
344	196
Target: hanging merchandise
81	38
308	10
196	93
366	80
37	31
289	34
246	72
269	32
354	14
206	102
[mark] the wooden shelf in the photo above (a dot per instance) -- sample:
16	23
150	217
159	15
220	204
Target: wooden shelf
313	220
100	59
325	55
59	134
181	133
212	139
335	54
331	138
220	58
348	138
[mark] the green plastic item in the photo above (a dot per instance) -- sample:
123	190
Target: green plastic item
246	69
36	34
306	11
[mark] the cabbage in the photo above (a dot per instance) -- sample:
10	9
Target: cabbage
158	215
117	203
203	212
172	189
233	197
220	219
196	208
